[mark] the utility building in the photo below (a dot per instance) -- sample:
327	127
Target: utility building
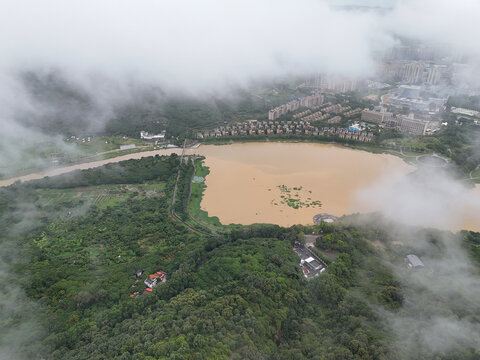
414	262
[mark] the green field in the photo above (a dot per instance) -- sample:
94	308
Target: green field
102	196
197	195
475	175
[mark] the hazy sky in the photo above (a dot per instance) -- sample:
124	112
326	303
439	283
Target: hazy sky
103	46
209	43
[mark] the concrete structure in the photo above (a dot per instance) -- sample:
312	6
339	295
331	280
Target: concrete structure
435	74
353	112
463	111
376	117
147	136
153	279
315	81
334	120
324	217
342	85
331	83
414	262
410	97
411	126
312	101
127	147
413	72
310	263
301	127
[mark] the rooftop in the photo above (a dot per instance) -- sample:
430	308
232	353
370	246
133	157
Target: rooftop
310	263
414	261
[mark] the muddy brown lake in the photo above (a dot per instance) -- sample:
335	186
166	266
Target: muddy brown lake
282	183
256	182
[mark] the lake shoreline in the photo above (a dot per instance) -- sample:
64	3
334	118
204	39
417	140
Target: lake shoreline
26	176
265	182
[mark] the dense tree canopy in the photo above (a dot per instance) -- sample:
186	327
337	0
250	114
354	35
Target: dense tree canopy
235	296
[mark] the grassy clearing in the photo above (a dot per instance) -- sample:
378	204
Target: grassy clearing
476	174
102	196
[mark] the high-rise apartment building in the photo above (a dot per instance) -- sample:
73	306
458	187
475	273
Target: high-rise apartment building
413	72
376	117
410	125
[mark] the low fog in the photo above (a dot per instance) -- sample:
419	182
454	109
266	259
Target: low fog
105	51
429	197
435	317
200	46
114	52
435	297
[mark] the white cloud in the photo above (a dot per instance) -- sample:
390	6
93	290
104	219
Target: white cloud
427	198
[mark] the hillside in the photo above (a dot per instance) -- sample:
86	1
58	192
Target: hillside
74	242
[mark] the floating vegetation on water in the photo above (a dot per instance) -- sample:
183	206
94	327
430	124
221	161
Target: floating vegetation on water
292	198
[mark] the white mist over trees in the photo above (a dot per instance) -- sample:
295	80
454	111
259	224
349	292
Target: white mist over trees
104	49
111	51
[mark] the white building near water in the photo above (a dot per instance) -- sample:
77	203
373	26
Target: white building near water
127	147
147	136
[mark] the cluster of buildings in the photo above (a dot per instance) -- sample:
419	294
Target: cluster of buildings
127	147
334	120
145	135
463	111
413	262
430	66
310	263
302	114
254	128
311	101
402	123
416	99
353	112
377	116
349	134
151	281
330	83
317	116
417	72
326	113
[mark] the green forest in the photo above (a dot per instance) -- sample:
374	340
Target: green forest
71	245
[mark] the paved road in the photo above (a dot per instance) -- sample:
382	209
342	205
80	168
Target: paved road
88	165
